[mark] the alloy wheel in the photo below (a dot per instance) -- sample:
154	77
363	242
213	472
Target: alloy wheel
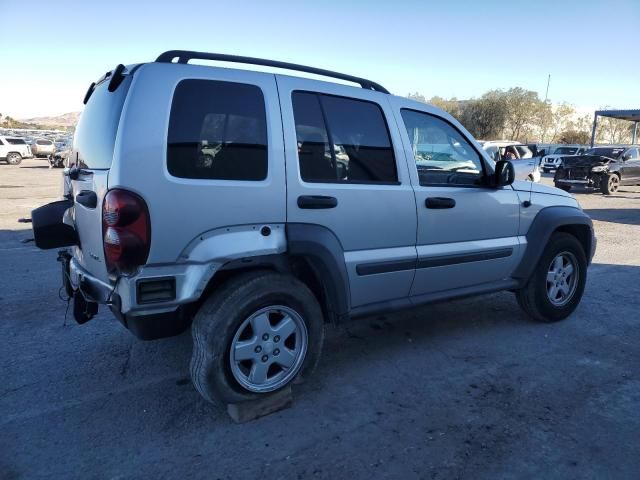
562	278
268	349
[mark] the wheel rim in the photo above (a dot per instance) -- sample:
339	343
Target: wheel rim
268	349
13	159
613	183
562	278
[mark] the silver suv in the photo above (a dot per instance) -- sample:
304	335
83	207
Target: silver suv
255	207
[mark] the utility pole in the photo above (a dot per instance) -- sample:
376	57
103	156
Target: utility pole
546	95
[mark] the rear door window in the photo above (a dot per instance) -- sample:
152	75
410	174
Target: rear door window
342	140
16	141
217	130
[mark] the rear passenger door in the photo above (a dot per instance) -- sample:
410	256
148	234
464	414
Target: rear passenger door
346	173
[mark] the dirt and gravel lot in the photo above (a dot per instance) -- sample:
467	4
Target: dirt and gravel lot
465	389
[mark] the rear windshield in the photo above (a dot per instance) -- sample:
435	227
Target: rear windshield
43	142
95	135
16	141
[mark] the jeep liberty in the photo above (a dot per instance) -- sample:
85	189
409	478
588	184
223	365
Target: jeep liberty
255	207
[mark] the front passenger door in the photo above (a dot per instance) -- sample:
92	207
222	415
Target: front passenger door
467	232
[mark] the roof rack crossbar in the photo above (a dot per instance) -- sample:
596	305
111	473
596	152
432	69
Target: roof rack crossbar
183	56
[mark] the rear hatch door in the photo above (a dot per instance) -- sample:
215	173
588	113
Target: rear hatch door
92	155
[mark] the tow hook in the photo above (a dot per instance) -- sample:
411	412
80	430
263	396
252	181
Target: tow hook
83	308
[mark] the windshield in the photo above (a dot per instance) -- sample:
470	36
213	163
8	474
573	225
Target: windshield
565	150
605	152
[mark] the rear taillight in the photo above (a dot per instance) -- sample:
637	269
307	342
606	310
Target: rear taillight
126	231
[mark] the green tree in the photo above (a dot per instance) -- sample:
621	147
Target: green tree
522	108
418	97
485	117
451	106
572	136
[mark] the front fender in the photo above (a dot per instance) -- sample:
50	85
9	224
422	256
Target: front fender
547	221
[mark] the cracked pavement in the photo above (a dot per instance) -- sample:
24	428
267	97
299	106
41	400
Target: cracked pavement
464	389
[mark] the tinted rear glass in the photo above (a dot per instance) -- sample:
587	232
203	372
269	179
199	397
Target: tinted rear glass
95	135
342	140
217	130
43	142
16	141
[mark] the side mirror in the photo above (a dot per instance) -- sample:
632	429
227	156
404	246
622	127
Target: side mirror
504	174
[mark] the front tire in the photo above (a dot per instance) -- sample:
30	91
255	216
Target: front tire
556	286
610	184
14	158
255	335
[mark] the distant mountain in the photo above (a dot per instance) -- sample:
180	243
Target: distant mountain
65	120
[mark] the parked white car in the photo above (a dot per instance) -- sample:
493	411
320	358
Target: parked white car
521	156
553	161
13	150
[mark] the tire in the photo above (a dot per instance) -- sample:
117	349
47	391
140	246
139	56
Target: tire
14	158
535	297
610	184
566	188
224	320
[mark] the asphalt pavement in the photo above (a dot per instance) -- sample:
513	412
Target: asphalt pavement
464	389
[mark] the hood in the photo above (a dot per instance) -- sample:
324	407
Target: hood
586	161
526	186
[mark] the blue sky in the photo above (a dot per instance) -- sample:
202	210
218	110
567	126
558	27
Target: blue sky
52	50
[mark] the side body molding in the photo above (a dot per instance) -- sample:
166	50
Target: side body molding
544	224
323	251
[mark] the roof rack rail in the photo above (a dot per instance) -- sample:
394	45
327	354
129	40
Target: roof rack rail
184	56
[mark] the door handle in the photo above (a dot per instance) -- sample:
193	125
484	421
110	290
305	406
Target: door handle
439	202
317	202
87	198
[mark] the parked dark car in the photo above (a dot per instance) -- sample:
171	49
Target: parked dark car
603	168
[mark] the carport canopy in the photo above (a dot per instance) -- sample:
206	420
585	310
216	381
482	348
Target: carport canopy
628	115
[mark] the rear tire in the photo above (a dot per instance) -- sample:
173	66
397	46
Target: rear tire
610	184
14	158
556	286
233	318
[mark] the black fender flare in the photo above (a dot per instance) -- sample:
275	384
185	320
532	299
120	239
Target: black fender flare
547	221
324	252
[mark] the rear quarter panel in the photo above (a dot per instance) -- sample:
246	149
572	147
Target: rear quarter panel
183	209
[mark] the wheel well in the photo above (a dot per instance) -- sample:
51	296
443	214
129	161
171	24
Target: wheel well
299	267
581	232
